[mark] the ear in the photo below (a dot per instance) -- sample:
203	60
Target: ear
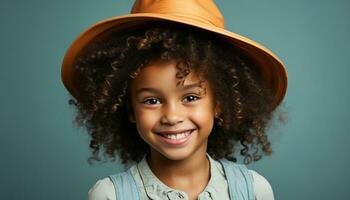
218	109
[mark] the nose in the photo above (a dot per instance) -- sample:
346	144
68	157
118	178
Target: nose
172	114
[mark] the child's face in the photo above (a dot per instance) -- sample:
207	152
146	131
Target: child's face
159	106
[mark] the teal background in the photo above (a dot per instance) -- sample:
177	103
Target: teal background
44	156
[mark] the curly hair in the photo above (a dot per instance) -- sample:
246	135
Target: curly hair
106	67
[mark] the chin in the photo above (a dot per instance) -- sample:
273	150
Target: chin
176	154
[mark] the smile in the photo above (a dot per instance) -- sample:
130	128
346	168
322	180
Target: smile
177	138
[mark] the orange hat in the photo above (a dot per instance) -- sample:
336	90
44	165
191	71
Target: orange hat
203	14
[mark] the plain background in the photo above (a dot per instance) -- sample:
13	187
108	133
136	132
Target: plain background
44	156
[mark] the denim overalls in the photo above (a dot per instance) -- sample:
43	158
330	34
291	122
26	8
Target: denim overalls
239	180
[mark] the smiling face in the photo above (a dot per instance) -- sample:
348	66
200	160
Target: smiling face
175	121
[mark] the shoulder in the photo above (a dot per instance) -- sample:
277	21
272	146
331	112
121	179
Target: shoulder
262	188
103	189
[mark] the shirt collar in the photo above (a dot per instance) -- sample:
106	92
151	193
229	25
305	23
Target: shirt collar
154	187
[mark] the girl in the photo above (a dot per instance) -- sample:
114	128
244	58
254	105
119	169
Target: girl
173	97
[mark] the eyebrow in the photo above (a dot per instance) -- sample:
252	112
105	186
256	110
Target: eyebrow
154	90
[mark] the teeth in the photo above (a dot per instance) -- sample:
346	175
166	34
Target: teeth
178	136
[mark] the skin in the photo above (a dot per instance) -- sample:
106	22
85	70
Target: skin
168	107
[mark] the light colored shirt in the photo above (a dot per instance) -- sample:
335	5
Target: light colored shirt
151	187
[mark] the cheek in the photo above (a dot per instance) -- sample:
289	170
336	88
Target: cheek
202	115
146	119
143	117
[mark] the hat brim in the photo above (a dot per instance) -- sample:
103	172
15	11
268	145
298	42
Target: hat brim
271	67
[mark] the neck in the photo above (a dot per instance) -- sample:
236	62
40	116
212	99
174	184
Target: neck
179	174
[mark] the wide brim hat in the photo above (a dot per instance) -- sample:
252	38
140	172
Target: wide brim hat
202	14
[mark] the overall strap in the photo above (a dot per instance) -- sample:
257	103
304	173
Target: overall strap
125	186
239	180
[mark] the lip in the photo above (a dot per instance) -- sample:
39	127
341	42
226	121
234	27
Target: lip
174	132
176	142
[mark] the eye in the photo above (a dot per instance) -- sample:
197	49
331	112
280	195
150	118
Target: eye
151	101
191	98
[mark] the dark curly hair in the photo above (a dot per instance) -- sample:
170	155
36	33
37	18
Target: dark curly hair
106	67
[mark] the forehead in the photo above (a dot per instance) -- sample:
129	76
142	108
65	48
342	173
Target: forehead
162	74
